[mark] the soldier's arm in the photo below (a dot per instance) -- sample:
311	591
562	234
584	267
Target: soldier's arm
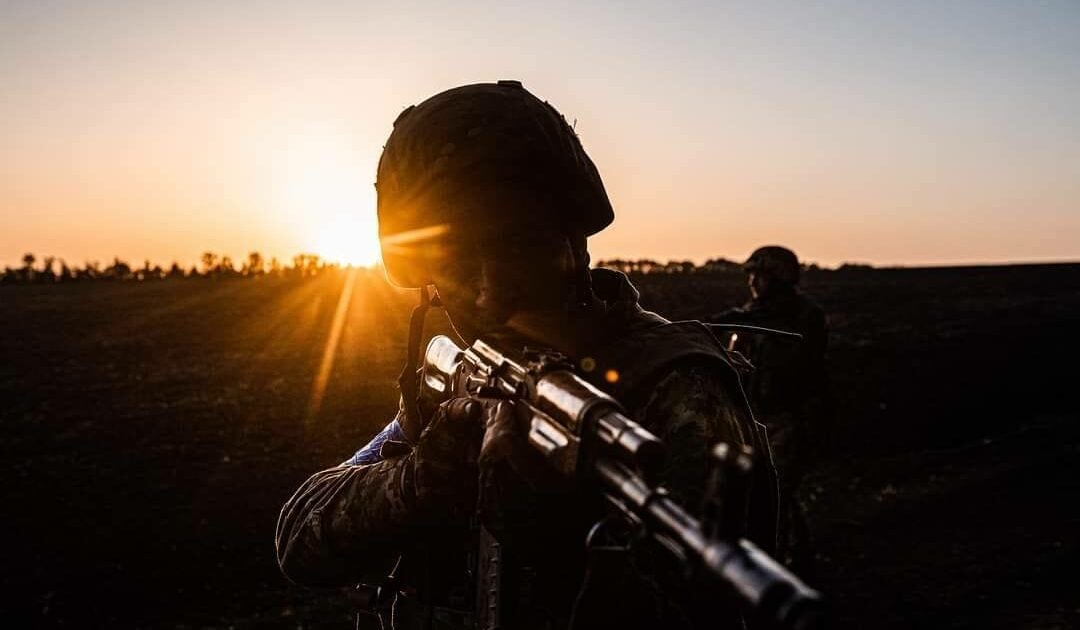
346	523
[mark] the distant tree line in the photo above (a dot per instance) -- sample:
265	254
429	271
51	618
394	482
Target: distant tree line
713	265
51	269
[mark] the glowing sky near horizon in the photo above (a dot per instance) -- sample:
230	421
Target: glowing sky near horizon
889	133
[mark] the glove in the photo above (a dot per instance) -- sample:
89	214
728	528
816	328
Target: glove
444	460
517	486
506	430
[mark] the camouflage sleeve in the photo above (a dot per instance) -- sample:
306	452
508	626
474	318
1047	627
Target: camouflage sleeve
691	410
346	523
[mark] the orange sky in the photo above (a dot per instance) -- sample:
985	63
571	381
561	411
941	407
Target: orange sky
850	132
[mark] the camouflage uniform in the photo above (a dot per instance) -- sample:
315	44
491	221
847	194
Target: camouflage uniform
349	523
790	393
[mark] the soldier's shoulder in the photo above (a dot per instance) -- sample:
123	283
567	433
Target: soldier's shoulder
643	356
695	377
693	407
692	389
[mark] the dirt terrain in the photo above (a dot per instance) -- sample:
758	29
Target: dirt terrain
151	432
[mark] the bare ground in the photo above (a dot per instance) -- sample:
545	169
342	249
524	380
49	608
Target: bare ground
151	431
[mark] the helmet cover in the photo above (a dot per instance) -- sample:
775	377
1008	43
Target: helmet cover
480	159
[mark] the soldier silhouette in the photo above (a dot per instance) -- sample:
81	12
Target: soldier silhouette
788	387
485	193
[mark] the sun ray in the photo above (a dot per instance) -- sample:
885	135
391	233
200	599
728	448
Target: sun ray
412	236
322	377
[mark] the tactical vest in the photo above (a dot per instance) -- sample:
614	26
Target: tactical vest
629	369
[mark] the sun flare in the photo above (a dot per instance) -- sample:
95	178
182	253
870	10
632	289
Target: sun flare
347	239
324	191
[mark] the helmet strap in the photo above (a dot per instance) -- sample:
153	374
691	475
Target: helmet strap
408	380
584	296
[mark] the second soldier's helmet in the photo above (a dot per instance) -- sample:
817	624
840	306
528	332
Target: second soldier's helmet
477	159
776	262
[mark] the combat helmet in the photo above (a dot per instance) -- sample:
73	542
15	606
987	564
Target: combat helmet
479	158
776	262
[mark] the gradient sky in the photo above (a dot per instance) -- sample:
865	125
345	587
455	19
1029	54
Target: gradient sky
881	132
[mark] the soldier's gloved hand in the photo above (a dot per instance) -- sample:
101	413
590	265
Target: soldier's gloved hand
506	443
444	459
517	486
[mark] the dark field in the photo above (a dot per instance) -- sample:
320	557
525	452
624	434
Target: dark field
151	431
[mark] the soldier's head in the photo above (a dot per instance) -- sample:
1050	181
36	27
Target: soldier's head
771	269
485	192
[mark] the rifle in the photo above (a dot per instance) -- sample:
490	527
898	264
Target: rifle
584	434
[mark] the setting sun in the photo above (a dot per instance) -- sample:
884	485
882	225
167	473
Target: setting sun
323	190
348	239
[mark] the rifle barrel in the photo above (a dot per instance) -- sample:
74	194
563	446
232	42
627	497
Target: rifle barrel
768	591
